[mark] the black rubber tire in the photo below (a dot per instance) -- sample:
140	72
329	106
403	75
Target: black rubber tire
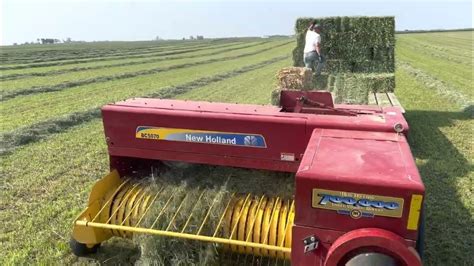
420	243
80	249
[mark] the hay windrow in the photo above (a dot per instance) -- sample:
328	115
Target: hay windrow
139	54
100	79
10	141
145	61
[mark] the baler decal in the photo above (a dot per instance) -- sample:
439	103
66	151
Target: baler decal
357	205
415	210
201	136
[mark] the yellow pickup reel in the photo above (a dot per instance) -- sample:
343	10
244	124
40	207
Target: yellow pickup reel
246	223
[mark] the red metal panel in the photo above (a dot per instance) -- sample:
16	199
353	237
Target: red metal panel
282	135
289	98
199	106
356	162
201	158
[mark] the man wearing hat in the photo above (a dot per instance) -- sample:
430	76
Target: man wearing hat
312	49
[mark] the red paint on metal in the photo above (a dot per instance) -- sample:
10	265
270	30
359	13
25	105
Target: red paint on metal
333	150
327	238
377	240
284	132
374	163
288	98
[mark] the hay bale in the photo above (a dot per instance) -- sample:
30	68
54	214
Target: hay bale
354	87
295	78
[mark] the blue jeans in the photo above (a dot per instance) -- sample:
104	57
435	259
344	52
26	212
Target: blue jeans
310	60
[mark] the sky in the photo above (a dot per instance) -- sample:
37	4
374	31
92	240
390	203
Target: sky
96	20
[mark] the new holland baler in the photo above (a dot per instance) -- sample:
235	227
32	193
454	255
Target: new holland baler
358	194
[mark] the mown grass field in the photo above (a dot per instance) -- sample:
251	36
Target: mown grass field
52	137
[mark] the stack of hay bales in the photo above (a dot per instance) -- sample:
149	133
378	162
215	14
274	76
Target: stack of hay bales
359	56
351	44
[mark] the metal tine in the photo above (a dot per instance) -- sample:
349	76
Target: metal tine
164	208
134	207
207	214
110	199
292	206
268	231
254	218
223	213
149	206
253	224
240	215
210	208
177	211
271	219
192	211
121	203
286	226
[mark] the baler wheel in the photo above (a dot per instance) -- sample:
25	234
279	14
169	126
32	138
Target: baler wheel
80	249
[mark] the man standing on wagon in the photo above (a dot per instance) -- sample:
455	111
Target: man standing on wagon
312	49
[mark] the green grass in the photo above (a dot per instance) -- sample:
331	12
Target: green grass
253	88
55	68
16	85
71	182
46	182
82	98
441	133
71	65
56	57
446	65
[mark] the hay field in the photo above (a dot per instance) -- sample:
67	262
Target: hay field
53	151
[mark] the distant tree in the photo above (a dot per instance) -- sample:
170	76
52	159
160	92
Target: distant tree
191	37
48	41
184	38
157	38
200	37
15	43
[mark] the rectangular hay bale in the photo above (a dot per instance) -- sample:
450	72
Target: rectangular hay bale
295	78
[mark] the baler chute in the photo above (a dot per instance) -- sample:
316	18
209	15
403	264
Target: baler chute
358	193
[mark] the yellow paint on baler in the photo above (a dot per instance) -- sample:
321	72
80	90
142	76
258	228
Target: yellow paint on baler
414	214
259	226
